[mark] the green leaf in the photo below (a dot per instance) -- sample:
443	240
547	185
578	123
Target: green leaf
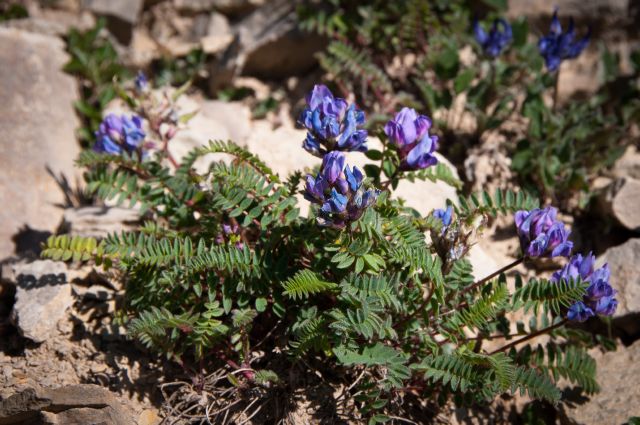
261	304
463	80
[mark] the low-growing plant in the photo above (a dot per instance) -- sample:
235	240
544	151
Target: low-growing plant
226	271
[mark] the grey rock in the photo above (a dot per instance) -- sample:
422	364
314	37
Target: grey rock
624	201
269	45
72	404
619	397
623	261
98	222
227	7
52	22
38	132
122	15
628	165
219	34
215	120
43	295
237	7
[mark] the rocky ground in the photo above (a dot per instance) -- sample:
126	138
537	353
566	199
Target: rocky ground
63	356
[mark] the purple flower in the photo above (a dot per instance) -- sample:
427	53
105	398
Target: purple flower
579	312
232	234
558	46
445	216
496	40
409	132
332	124
141	82
599	297
541	235
119	133
339	191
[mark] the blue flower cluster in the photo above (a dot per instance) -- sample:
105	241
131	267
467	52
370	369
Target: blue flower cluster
410	133
600	296
498	37
558	45
541	234
118	134
332	124
340	192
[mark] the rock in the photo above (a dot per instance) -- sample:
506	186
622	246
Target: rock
38	133
619	397
623	261
269	45
122	16
72	404
142	51
425	196
218	36
43	295
628	165
98	222
237	7
227	7
215	120
624	202
483	264
52	22
193	6
148	417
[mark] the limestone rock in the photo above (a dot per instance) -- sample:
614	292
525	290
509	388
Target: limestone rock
215	120
269	45
218	36
623	261
38	124
122	15
628	165
625	202
98	222
72	404
43	295
52	22
619	396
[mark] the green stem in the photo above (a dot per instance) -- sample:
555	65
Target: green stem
555	90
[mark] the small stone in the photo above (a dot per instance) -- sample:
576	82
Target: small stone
72	404
628	165
43	295
149	417
623	262
625	203
218	36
